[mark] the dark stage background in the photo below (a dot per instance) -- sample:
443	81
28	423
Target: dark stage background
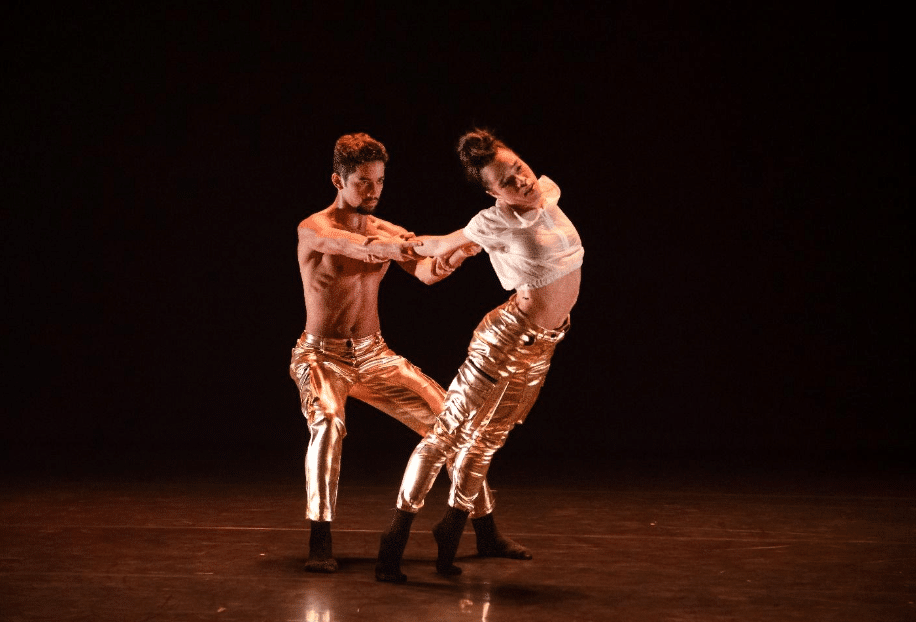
739	176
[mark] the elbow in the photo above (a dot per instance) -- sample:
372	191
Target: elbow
430	277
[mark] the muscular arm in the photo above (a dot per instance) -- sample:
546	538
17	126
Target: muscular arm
442	245
317	234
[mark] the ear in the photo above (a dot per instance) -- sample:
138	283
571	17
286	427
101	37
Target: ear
337	181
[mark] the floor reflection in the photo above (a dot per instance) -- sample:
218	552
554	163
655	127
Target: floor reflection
471	604
316	608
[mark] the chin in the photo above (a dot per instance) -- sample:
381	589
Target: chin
365	209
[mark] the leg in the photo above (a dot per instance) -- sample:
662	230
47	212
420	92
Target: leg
424	465
422	469
323	394
471	466
322	465
470	470
482	438
401	390
322	471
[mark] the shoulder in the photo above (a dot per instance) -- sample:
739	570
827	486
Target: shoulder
315	222
320	217
489	214
311	230
488	220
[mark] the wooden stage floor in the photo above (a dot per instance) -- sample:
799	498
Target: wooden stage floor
636	541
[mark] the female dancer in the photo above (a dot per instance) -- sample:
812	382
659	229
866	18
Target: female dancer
536	251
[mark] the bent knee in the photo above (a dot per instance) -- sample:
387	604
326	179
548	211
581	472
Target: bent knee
489	443
327	422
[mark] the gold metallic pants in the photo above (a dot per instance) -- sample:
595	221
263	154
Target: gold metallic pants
328	371
495	388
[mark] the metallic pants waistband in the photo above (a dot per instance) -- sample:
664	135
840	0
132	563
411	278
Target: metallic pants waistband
335	343
511	308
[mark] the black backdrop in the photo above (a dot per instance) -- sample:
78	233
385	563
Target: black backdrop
738	175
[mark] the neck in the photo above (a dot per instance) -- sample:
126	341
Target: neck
348	217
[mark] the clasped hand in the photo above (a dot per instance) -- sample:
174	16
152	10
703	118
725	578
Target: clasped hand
397	248
449	261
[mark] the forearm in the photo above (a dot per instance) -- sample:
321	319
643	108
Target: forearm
332	241
425	270
431	270
339	242
441	245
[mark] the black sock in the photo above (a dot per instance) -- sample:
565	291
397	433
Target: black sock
391	548
448	535
491	543
321	556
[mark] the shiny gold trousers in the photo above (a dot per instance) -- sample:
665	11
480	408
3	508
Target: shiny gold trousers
494	390
328	371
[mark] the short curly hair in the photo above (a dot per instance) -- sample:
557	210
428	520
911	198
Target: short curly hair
476	149
351	150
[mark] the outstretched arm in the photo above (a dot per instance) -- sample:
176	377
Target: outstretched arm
435	268
442	245
317	234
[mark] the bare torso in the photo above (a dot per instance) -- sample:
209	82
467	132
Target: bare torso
341	293
549	306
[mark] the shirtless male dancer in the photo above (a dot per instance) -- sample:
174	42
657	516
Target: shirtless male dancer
344	252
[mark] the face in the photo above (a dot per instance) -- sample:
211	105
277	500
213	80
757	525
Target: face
363	187
508	178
